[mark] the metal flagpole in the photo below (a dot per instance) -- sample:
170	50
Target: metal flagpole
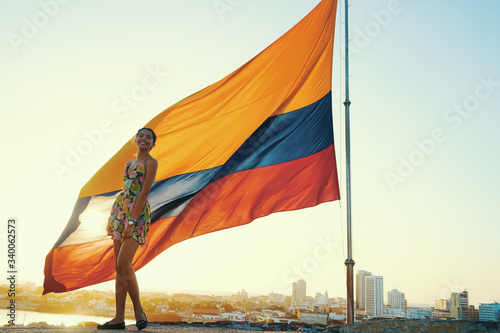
347	103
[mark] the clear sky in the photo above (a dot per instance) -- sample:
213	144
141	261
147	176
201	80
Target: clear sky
425	92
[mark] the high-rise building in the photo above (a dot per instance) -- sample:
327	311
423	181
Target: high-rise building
374	298
360	288
275	298
298	291
459	305
489	311
442	304
474	313
320	299
396	299
454	305
416	313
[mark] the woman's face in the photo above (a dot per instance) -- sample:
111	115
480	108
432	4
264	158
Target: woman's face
144	140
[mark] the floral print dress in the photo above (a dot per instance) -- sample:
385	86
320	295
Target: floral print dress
125	203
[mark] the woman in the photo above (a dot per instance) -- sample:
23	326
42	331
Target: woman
128	226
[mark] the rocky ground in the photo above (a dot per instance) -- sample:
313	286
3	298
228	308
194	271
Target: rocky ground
130	328
217	327
383	326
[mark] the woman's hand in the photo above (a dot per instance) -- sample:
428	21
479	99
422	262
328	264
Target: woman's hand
109	228
128	231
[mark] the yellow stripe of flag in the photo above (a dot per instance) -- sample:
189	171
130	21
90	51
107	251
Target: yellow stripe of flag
203	130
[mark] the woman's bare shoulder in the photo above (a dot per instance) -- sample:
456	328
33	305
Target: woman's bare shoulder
152	161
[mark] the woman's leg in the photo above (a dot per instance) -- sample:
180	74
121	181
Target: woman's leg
120	290
125	274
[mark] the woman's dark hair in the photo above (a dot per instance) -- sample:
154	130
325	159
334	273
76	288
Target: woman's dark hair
149	129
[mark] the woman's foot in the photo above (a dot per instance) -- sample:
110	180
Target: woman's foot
143	323
111	326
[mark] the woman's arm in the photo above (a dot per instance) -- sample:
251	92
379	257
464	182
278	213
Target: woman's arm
109	228
151	167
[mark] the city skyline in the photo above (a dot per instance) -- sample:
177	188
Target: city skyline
253	308
310	296
423	128
91	305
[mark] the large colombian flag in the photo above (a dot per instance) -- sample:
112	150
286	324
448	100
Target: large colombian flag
258	141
